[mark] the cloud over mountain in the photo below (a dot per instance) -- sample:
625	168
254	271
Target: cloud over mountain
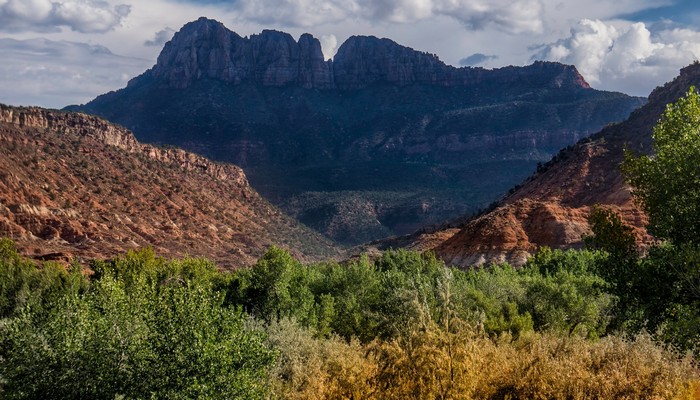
40	71
620	56
512	16
160	38
476	59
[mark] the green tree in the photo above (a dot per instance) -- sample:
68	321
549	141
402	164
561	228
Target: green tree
279	287
564	294
667	183
667	186
143	328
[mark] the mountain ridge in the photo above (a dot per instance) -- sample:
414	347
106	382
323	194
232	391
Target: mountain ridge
205	48
75	185
551	208
383	140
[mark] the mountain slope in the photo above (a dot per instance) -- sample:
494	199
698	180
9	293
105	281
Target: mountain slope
382	140
73	185
552	207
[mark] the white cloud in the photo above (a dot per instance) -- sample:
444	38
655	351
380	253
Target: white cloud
55	74
329	45
511	16
624	56
86	16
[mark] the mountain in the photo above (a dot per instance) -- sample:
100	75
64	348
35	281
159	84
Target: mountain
551	208
381	140
74	186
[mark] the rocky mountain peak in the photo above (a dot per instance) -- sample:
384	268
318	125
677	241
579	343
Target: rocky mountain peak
670	91
206	49
364	60
388	140
560	74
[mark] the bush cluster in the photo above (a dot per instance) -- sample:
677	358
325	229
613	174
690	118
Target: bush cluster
401	326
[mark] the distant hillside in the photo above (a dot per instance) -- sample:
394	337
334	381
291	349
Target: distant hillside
382	140
551	208
73	185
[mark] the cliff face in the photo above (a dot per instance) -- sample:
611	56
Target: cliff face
553	206
97	129
74	185
380	141
206	49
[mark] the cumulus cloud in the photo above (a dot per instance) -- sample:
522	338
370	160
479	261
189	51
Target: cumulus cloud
476	59
55	74
627	57
160	38
85	16
511	16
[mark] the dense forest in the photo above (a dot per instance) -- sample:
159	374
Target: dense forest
603	322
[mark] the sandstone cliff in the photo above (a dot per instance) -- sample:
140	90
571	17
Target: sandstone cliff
73	185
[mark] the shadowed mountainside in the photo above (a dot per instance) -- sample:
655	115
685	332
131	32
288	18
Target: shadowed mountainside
73	185
382	140
552	207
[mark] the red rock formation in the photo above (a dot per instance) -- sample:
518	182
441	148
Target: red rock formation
552	207
73	185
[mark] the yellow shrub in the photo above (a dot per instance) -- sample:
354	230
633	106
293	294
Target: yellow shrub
430	362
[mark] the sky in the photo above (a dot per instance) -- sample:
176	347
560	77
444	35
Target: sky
59	52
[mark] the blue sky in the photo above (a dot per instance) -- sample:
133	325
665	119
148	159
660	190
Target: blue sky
682	11
60	52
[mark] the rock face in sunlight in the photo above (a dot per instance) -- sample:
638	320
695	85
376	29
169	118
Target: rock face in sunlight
382	140
552	207
73	185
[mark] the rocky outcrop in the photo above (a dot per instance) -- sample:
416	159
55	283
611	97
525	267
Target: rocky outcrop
87	126
71	124
207	49
553	206
367	60
75	186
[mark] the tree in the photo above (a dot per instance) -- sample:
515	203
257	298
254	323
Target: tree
667	183
667	186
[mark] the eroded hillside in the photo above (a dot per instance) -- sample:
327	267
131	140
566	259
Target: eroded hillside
73	185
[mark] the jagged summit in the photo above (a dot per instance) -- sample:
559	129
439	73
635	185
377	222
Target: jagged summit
205	48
